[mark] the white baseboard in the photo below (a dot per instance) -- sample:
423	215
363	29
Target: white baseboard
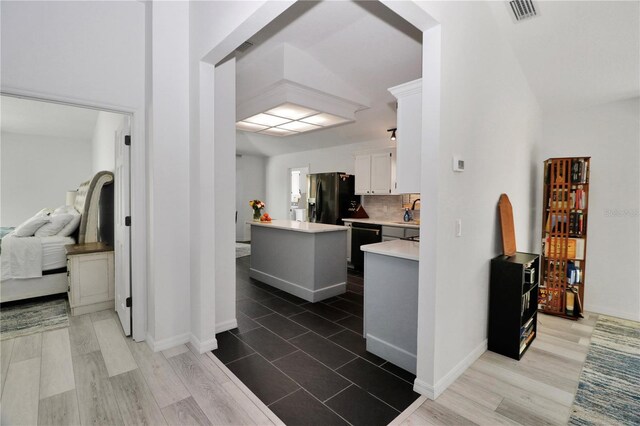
460	368
167	343
226	325
392	353
298	290
202	347
596	309
424	388
432	392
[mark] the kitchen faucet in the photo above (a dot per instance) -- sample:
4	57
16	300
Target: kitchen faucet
413	206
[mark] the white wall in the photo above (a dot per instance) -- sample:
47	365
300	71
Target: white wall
89	53
333	159
250	185
213	283
490	118
224	154
610	134
37	172
103	149
169	175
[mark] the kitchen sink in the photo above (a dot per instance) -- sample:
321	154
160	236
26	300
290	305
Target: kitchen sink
402	222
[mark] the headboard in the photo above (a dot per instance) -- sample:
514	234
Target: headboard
88	204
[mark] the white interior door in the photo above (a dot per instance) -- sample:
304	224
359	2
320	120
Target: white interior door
122	230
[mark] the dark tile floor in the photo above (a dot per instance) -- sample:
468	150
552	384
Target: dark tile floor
308	361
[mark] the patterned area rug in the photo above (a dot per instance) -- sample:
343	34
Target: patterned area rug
33	317
243	250
609	388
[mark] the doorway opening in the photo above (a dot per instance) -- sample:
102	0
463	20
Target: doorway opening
260	309
298	193
70	166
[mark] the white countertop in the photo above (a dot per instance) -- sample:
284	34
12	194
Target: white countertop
398	224
396	248
292	225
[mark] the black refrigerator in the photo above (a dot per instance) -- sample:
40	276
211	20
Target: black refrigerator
329	197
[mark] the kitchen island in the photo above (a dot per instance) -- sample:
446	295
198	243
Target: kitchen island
391	301
308	260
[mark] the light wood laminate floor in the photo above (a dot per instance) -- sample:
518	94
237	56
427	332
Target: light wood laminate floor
91	374
496	390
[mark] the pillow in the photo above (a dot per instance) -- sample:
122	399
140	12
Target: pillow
64	209
44	212
30	226
71	227
58	221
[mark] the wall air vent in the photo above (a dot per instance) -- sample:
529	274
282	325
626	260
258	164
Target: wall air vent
244	47
523	9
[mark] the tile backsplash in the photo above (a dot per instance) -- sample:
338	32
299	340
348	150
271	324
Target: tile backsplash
390	207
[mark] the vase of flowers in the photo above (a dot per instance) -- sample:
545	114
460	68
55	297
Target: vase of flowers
257	207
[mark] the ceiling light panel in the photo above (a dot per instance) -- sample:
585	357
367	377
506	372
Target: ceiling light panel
299	126
291	111
267	120
324	119
276	131
250	127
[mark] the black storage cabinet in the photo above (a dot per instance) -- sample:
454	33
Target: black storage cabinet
513	301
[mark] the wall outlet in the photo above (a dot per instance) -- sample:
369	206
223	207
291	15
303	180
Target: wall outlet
458	227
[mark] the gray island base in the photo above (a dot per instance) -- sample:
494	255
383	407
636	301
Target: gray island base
308	260
391	301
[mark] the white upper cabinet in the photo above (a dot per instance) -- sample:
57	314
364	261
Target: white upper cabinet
375	173
363	174
381	173
408	136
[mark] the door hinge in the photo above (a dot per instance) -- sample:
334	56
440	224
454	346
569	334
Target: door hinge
127	221
127	302
389	191
127	140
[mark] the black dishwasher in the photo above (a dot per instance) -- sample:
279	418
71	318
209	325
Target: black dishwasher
363	234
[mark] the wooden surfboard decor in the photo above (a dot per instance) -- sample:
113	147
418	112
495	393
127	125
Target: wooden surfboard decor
506	224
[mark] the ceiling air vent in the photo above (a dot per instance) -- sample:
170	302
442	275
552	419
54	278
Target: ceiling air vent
244	47
523	9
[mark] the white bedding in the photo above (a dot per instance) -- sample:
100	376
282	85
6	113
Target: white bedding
27	257
53	254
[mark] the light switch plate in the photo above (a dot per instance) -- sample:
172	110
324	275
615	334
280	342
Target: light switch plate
458	164
458	227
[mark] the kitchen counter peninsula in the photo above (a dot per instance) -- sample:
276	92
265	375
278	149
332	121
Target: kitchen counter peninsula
391	301
308	260
402	249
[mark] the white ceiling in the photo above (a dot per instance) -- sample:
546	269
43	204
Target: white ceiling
25	116
576	54
363	44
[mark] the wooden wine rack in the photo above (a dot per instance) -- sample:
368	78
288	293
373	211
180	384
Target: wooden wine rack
559	204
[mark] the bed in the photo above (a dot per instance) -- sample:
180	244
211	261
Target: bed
37	266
